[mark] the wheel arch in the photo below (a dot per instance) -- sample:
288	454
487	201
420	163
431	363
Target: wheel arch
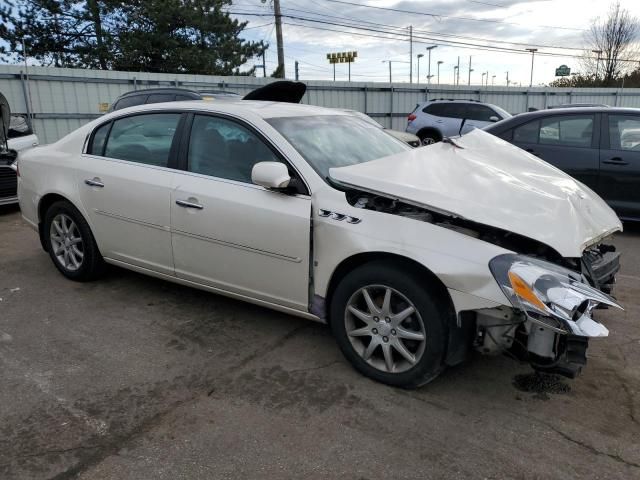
426	130
459	336
43	205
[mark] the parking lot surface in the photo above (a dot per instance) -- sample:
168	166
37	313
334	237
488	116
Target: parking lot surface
132	377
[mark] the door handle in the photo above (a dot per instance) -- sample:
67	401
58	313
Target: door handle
94	182
615	161
186	204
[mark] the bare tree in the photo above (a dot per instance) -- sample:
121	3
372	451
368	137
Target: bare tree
612	48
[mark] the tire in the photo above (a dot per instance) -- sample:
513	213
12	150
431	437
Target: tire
70	243
428	138
355	335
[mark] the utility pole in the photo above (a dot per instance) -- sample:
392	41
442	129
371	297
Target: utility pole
599	52
429	68
458	69
420	55
455	71
533	54
470	70
411	55
264	64
507	78
297	71
278	15
440	62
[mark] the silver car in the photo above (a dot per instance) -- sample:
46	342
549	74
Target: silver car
433	120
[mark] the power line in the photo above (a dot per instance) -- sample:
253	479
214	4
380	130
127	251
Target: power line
437	15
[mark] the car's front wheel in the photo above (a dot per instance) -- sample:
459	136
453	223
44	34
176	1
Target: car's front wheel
389	326
70	243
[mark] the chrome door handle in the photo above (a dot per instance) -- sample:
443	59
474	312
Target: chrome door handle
185	204
94	183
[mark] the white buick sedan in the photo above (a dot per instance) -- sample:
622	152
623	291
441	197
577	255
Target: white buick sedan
414	257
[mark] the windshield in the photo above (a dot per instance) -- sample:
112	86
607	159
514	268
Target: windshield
327	141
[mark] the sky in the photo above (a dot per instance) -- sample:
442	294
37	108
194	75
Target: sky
553	26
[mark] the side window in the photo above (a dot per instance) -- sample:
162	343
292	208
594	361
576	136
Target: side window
180	98
130	101
480	113
143	138
222	148
624	132
574	130
527	133
160	97
99	139
434	109
455	110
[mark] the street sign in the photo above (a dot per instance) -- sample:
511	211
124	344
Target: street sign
563	71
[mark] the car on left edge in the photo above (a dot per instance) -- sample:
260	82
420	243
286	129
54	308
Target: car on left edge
16	136
415	257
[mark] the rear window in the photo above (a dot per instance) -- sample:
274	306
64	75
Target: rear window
161	97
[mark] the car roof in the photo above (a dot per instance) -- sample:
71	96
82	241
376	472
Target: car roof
148	91
261	108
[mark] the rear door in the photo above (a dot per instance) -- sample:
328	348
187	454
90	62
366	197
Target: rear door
619	182
570	142
124	182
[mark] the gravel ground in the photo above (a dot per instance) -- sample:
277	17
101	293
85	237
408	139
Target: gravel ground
135	378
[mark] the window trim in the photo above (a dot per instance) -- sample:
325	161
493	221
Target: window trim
172	161
183	154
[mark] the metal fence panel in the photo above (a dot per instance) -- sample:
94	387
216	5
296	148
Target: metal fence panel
61	99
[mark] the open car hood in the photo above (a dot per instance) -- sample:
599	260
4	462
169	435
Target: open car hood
280	91
484	179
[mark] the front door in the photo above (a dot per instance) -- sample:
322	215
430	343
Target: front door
620	164
124	182
231	234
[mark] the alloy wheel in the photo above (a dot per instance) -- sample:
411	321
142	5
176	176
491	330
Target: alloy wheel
385	328
66	242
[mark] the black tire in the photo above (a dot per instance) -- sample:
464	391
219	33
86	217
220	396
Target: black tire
427	300
428	138
92	264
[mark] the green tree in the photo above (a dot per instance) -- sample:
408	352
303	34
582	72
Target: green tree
187	36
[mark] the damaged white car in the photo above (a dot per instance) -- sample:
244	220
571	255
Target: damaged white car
415	257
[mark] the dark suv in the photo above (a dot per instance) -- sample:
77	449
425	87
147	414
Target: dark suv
158	95
599	146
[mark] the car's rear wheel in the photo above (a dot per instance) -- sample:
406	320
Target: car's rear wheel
70	243
389	326
428	138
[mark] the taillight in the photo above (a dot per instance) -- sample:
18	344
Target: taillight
411	117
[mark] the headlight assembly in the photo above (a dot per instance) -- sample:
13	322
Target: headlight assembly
551	296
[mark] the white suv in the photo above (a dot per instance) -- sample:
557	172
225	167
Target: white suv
433	120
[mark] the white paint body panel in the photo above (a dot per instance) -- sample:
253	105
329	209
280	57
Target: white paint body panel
489	181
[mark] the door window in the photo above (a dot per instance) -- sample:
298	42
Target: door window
99	139
221	148
574	131
624	132
142	138
449	110
527	133
480	113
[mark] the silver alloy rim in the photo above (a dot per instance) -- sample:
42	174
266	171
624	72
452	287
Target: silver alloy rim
66	242
428	141
385	328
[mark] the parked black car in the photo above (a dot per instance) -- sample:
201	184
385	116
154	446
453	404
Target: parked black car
600	146
169	94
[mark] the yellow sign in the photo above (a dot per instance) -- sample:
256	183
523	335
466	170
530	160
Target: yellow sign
103	107
342	57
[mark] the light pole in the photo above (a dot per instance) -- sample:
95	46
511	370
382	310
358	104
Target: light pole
455	73
493	79
420	55
507	78
533	53
440	62
429	62
482	79
599	52
390	62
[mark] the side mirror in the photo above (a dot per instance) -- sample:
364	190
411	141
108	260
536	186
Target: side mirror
493	118
270	175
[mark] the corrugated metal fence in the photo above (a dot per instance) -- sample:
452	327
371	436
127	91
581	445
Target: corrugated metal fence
60	100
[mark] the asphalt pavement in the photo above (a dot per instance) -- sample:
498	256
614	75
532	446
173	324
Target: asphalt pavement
131	377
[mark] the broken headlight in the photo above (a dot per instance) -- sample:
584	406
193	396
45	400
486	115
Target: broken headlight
551	296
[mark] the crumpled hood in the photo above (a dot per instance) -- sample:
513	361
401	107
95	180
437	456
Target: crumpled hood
487	180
